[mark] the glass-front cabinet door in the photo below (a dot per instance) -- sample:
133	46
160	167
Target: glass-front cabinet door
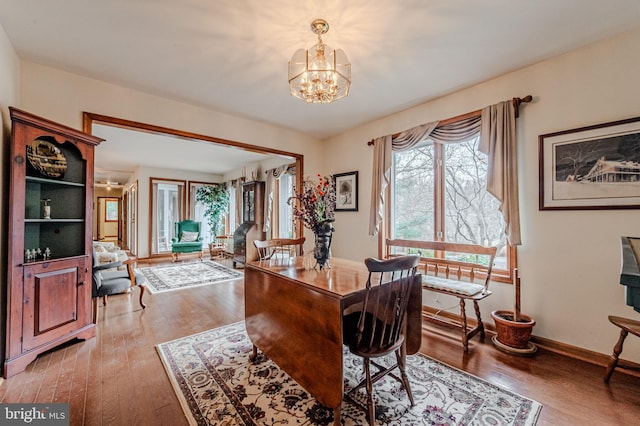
248	202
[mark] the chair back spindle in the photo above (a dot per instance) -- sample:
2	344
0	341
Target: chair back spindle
279	248
381	321
378	328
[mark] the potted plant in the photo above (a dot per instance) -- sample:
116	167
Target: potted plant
215	199
513	329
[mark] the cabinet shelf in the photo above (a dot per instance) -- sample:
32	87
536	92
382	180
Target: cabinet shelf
52	259
52	181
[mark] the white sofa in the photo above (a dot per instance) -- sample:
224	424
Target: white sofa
108	252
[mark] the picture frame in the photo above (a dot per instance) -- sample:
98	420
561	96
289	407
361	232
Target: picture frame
591	168
111	210
346	185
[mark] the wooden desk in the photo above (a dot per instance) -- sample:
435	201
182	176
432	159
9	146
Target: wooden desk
294	317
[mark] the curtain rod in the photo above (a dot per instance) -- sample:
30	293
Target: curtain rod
516	104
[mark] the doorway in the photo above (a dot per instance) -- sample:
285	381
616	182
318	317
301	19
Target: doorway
108	219
140	233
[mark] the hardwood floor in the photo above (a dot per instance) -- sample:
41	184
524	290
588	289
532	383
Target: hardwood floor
117	378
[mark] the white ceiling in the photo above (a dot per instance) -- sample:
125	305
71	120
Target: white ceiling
231	55
126	149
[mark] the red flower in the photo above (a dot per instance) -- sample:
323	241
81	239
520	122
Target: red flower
316	202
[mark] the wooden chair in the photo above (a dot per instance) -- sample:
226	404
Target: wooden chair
218	247
626	326
279	248
377	329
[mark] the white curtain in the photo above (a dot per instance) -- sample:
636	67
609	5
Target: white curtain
273	175
238	201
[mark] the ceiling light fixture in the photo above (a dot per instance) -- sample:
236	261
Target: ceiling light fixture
320	74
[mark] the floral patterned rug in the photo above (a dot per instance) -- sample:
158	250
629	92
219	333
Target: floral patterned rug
218	385
181	275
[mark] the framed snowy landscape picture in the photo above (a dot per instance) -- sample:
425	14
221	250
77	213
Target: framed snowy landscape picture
594	167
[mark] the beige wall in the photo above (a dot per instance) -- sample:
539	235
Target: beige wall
569	261
9	91
62	97
9	96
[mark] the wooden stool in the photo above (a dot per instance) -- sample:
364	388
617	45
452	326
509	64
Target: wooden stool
626	326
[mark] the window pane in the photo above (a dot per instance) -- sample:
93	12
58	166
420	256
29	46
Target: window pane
413	197
232	209
285	211
167	200
199	216
471	213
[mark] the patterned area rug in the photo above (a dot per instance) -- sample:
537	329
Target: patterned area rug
181	275
218	385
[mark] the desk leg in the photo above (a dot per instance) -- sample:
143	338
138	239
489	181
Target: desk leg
336	416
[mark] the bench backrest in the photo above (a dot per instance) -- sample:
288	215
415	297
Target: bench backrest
433	259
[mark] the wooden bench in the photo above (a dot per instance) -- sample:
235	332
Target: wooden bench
459	270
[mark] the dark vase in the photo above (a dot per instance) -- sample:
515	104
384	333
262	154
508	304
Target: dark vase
322	248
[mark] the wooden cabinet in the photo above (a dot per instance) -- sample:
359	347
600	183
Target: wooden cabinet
251	192
49	256
252	223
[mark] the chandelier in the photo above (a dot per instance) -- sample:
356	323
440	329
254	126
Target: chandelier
320	74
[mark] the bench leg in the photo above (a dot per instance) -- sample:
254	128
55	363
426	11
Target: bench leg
617	350
463	321
480	324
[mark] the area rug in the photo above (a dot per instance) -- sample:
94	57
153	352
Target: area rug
218	385
182	275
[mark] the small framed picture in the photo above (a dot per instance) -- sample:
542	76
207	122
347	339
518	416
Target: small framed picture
594	167
111	210
346	191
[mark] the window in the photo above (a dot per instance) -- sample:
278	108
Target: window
131	224
167	200
439	194
231	216
285	211
197	213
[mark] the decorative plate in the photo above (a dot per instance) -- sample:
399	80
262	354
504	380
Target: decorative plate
47	158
